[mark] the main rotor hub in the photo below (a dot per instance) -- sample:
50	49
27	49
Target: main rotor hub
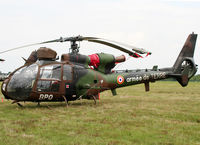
74	47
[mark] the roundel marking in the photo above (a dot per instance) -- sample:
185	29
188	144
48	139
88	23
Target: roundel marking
120	80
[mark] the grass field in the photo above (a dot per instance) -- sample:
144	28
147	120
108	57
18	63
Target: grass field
168	114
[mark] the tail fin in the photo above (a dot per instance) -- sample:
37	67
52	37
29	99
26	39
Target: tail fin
184	67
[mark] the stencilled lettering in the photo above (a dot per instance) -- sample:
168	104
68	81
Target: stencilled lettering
146	77
46	97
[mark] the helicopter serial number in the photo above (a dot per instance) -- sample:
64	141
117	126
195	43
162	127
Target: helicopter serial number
147	77
46	97
160	75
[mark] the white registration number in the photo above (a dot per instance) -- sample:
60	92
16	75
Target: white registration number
46	97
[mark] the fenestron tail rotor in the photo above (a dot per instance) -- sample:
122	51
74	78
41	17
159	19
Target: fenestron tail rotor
131	50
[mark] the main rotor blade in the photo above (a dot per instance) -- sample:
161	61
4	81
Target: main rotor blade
76	38
111	45
2	60
56	40
19	47
120	46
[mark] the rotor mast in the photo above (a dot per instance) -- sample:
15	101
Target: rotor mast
74	47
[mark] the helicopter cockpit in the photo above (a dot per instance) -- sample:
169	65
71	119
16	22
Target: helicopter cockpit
21	82
43	76
37	78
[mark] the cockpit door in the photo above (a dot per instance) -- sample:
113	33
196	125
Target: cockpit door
68	80
49	82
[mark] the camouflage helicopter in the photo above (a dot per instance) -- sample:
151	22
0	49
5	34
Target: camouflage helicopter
42	78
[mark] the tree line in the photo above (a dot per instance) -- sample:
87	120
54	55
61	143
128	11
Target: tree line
195	78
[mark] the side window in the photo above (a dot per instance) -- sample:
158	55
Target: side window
48	86
51	72
50	77
67	72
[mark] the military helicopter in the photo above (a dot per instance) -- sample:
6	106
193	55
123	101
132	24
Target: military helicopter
44	79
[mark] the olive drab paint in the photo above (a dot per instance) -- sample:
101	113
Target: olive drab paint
77	76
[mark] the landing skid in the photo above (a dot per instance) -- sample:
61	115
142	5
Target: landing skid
94	98
66	102
17	102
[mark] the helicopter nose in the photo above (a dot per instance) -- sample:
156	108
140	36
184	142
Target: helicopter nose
20	83
18	88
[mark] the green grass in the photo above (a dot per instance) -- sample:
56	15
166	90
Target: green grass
168	114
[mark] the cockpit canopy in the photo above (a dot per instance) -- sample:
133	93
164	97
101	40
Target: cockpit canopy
22	81
46	78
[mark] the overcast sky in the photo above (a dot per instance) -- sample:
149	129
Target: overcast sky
158	26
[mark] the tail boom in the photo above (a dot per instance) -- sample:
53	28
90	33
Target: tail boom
183	69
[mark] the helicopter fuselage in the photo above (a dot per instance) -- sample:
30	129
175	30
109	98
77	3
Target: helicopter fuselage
42	78
51	80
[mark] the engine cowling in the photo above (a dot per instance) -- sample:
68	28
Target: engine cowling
100	61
